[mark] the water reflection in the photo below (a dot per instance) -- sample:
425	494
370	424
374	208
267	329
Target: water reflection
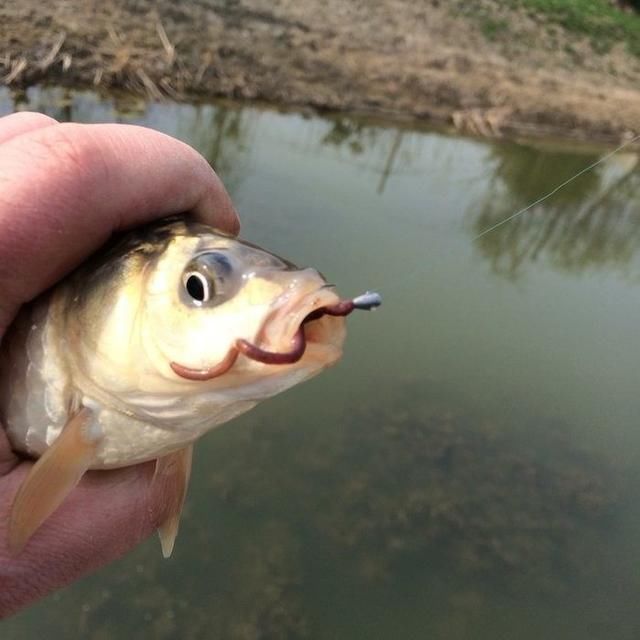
224	136
592	222
468	471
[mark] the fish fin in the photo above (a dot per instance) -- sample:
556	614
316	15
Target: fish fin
53	476
173	471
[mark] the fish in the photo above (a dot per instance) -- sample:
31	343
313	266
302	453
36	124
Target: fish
169	331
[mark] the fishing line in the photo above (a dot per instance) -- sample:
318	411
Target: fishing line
560	186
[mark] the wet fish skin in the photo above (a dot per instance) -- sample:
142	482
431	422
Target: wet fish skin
121	342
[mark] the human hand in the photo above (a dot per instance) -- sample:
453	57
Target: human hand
64	189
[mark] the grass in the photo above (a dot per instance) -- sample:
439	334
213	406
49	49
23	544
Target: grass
492	28
600	21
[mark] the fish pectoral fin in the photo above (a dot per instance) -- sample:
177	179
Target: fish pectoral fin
173	471
51	479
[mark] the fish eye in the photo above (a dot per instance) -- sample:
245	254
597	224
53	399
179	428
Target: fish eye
209	279
198	286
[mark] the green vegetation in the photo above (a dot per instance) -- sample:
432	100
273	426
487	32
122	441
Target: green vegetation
492	27
599	20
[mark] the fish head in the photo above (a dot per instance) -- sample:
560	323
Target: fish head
164	312
209	293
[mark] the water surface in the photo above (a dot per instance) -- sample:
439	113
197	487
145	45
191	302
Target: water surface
470	470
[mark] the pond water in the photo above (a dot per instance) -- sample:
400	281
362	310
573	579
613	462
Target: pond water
471	468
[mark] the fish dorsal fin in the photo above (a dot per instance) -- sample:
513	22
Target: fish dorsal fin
52	478
173	472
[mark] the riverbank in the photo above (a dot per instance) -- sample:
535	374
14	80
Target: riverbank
496	69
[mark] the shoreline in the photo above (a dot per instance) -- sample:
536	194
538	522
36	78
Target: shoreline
394	62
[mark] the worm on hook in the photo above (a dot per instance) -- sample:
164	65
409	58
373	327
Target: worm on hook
367	301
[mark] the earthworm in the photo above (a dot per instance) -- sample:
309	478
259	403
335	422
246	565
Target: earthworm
368	300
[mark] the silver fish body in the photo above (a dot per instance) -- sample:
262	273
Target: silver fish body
170	298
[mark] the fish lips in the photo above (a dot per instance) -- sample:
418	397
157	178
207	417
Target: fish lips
323	336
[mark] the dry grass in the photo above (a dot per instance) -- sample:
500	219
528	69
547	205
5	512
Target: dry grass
398	58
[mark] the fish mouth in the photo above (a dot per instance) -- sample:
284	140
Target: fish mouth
311	326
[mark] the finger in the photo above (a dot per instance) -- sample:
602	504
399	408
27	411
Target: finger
109	513
65	189
21	122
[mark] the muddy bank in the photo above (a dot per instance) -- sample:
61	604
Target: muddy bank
428	61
